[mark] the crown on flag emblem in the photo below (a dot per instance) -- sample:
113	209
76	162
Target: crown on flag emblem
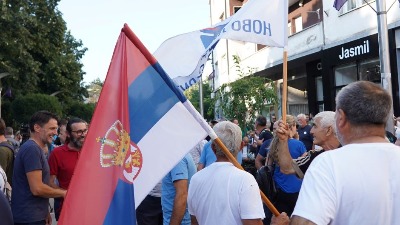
118	150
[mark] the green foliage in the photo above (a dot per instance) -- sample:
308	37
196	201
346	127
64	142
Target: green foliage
193	94
81	110
246	97
38	51
23	107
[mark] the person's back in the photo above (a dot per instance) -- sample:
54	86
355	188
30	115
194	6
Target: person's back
358	176
290	183
222	193
7	159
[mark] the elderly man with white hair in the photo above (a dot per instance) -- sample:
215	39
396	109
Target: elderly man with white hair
222	193
324	133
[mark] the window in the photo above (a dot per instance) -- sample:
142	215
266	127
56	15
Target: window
371	71
298	24
364	70
353	4
289	26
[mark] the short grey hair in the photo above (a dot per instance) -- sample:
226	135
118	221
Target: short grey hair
301	115
230	134
327	120
364	103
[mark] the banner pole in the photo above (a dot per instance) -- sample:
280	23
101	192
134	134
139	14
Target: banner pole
284	89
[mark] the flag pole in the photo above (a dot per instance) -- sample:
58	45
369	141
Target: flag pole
196	115
384	57
227	153
284	89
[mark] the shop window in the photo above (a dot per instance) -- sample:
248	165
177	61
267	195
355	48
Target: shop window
320	93
370	71
346	74
364	70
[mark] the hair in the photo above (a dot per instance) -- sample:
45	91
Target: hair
261	120
327	119
291	121
9	131
72	121
41	118
231	136
2	127
301	115
364	103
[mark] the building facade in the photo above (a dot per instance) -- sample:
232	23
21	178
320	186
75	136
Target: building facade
327	49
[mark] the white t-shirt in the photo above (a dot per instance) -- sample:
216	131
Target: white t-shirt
3	180
224	194
356	184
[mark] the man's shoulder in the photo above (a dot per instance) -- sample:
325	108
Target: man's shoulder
60	148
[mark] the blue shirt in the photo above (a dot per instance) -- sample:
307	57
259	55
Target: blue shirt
264	148
26	207
290	183
305	136
184	170
208	156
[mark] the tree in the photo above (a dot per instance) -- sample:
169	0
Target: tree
38	51
24	107
246	97
81	110
193	94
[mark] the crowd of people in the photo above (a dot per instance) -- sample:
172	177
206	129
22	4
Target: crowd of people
41	168
337	168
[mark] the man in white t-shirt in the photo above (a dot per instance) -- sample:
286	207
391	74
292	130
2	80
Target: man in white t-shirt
360	182
222	193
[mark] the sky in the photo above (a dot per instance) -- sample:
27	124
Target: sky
98	24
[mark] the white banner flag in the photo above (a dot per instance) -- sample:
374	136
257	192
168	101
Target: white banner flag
259	21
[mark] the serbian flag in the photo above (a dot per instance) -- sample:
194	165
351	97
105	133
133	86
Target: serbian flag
140	130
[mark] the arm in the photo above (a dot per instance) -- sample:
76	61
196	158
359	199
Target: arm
52	181
38	188
252	222
178	211
258	161
285	159
193	220
200	166
297	220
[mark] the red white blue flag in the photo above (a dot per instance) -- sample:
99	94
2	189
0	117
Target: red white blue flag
140	129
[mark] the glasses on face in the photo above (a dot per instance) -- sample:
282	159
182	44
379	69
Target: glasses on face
80	132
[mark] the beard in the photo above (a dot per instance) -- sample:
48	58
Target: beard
77	142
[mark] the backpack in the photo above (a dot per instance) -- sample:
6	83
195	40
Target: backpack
8	188
265	180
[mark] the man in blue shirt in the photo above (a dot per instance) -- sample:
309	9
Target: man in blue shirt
174	192
31	190
208	156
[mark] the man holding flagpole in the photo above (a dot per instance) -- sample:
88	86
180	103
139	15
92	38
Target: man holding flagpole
358	183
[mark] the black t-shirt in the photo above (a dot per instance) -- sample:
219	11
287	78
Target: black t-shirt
265	135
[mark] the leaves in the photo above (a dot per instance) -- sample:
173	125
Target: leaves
246	97
39	52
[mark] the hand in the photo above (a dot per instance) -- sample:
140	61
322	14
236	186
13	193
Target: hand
48	219
282	131
282	219
296	136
